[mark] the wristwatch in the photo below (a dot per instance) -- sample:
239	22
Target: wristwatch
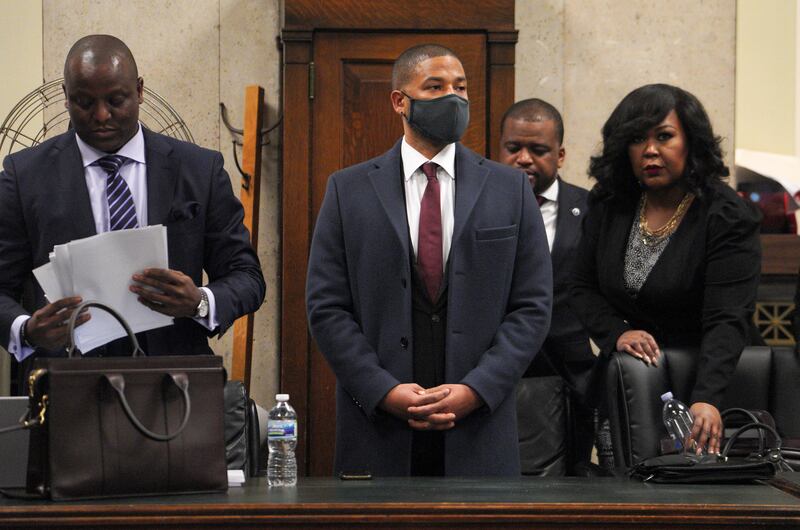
23	337
202	307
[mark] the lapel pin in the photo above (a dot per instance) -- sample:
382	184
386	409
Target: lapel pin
576	212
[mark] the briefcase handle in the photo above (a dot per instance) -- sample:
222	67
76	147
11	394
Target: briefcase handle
137	350
772	454
749	427
180	380
727	413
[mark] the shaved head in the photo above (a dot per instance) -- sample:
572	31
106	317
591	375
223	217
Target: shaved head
534	110
100	49
406	63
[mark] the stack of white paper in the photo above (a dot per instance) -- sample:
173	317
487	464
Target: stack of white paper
100	268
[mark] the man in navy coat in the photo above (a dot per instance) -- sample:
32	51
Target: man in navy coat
59	191
428	290
553	440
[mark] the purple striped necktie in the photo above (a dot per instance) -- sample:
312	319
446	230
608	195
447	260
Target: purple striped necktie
121	209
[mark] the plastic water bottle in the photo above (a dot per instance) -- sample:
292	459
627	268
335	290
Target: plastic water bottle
282	439
678	420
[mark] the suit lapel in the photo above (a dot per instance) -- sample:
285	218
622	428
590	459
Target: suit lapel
387	180
567	223
470	179
162	171
72	181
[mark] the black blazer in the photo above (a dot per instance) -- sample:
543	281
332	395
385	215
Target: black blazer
701	291
567	340
44	202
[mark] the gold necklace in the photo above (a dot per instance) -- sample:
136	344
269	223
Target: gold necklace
653	237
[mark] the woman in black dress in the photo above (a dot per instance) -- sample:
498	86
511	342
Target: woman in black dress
670	254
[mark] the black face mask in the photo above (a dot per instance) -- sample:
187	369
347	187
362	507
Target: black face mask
441	119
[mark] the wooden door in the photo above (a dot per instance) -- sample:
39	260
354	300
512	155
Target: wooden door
353	122
337	112
352	113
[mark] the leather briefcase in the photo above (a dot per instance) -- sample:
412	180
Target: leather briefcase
125	426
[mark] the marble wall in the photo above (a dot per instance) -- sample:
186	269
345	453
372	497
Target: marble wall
583	56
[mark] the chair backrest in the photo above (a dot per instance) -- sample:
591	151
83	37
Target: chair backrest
785	393
764	379
243	448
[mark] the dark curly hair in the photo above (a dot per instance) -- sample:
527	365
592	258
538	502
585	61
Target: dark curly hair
640	111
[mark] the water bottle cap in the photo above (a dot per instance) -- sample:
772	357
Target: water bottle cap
666	396
281	397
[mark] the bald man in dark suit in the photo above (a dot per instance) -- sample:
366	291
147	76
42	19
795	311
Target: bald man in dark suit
60	191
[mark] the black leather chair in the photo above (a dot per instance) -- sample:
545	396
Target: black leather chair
765	379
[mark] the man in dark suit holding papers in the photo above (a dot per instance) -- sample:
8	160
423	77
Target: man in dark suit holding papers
110	173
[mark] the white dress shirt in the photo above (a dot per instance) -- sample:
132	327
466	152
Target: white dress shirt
549	211
415	184
134	173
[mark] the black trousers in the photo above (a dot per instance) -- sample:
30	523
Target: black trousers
556	428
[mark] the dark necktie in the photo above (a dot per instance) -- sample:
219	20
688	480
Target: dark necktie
429	252
541	200
121	209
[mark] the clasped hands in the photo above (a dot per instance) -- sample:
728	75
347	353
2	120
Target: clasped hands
169	292
431	409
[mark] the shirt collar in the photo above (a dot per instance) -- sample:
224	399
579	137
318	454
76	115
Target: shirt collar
551	193
413	159
133	149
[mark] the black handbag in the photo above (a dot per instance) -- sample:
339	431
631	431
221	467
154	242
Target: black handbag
714	469
125	426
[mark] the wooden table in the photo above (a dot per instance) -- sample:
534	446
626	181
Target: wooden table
444	503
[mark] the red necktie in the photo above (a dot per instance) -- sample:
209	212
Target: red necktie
541	200
429	252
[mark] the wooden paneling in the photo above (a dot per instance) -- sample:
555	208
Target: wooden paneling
501	46
780	254
394	15
295	232
369	124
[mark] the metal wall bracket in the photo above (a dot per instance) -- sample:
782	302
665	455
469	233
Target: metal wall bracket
237	141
